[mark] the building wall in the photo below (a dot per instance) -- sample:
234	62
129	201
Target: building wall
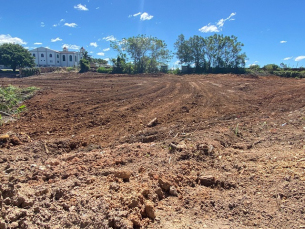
48	57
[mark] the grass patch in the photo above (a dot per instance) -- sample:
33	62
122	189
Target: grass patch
11	97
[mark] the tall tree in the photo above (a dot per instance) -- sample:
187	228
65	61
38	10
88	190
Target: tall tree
147	53
183	50
15	55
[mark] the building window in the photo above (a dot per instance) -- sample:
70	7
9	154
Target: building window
50	55
42	55
57	56
51	61
58	61
75	59
70	57
34	55
63	58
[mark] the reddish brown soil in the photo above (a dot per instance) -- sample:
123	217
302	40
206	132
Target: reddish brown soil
226	151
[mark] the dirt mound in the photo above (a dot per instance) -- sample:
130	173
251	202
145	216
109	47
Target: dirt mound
155	151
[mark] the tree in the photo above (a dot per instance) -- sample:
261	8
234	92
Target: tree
84	65
183	50
217	51
15	55
147	53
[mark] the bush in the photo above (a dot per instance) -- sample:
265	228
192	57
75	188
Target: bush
84	65
271	68
29	72
104	70
70	69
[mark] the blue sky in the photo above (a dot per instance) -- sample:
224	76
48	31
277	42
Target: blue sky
272	31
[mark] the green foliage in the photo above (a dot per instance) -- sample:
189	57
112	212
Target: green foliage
217	53
84	65
70	69
99	61
175	71
254	67
15	55
147	53
290	74
25	72
21	108
104	70
11	96
271	68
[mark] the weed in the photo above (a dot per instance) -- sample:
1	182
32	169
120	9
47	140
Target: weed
11	96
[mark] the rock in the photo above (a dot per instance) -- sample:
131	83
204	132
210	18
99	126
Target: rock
152	122
4	137
160	193
173	191
125	175
135	219
208	180
15	140
164	184
114	186
150	210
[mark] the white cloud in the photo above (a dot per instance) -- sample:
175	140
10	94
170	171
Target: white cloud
101	54
282	42
107	49
37	43
299	58
75	47
81	7
42	24
146	16
59	23
94	44
97	8
56	39
73	25
107	59
8	39
109	38
210	28
287	58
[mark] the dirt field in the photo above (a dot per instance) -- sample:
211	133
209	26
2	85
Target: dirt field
155	151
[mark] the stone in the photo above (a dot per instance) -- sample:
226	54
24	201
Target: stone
160	193
125	175
207	180
164	184
173	191
4	137
150	210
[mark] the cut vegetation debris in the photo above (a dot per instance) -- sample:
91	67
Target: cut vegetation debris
11	97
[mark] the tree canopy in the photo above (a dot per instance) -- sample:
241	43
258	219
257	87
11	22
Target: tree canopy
15	55
215	51
147	53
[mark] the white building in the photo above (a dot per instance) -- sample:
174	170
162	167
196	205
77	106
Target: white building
45	57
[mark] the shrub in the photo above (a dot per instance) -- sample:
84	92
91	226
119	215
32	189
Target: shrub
104	70
271	68
84	65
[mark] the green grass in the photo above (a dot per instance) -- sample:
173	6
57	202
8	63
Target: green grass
11	97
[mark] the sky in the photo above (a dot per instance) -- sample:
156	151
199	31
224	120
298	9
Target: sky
272	31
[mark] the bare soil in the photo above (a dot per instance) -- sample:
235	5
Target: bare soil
220	151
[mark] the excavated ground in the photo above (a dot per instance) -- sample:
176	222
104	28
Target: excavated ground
155	151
